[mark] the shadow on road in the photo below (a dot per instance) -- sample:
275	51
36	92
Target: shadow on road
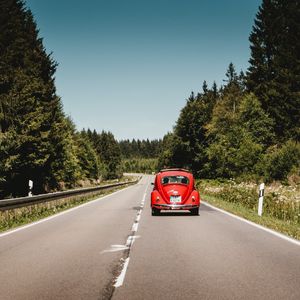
178	213
175	214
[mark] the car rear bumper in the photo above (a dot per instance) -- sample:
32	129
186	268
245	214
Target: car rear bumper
175	206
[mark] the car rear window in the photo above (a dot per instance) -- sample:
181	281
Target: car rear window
175	179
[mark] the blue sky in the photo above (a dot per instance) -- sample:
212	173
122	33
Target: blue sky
128	66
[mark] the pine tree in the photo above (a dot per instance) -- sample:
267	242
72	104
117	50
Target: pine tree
109	152
256	121
89	161
233	148
166	157
188	142
31	116
274	72
215	90
224	113
231	75
205	87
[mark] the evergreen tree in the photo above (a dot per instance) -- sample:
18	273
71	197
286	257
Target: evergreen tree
63	168
89	161
232	77
274	72
215	90
140	148
166	157
224	113
205	87
186	146
256	121
32	123
109	151
238	140
239	130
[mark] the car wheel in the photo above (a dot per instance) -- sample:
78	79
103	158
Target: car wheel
195	211
155	211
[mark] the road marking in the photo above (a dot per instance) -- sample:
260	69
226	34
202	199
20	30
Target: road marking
60	214
115	248
280	235
138	217
135	227
130	240
121	277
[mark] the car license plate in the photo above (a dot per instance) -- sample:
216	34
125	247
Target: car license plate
175	199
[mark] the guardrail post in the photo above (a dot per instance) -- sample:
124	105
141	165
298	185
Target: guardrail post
261	198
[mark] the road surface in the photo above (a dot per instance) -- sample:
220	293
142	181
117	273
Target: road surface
112	248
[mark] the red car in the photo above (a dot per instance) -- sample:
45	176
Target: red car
174	189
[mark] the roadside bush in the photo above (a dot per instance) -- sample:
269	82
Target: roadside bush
235	194
279	162
275	204
280	209
233	154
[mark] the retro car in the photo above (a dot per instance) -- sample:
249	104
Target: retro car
174	189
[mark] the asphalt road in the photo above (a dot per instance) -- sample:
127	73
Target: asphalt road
114	248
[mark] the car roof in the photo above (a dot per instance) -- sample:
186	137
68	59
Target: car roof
173	172
175	169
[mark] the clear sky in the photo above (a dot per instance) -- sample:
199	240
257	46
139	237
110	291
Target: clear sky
127	66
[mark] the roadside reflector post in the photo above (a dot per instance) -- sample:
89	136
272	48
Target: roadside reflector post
261	198
30	186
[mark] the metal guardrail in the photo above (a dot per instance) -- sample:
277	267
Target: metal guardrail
7	204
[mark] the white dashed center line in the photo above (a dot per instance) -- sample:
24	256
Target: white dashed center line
121	277
130	240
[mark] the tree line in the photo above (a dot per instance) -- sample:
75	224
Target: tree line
37	140
140	148
248	127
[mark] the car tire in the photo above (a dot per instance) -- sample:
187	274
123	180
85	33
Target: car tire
155	211
195	211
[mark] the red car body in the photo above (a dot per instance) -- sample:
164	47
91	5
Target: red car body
174	189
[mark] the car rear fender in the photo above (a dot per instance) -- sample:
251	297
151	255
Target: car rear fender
155	196
194	198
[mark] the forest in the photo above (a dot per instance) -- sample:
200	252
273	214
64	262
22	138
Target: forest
247	128
37	140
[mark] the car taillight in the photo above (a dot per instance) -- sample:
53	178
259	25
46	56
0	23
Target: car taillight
157	199
193	198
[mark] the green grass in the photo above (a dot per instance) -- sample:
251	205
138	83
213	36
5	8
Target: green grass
25	215
288	227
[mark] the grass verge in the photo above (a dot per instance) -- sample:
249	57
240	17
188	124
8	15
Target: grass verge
25	215
285	227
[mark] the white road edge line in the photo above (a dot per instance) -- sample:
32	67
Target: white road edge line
121	277
60	214
280	235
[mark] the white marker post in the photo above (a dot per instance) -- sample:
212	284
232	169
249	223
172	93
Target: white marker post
30	185
261	198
